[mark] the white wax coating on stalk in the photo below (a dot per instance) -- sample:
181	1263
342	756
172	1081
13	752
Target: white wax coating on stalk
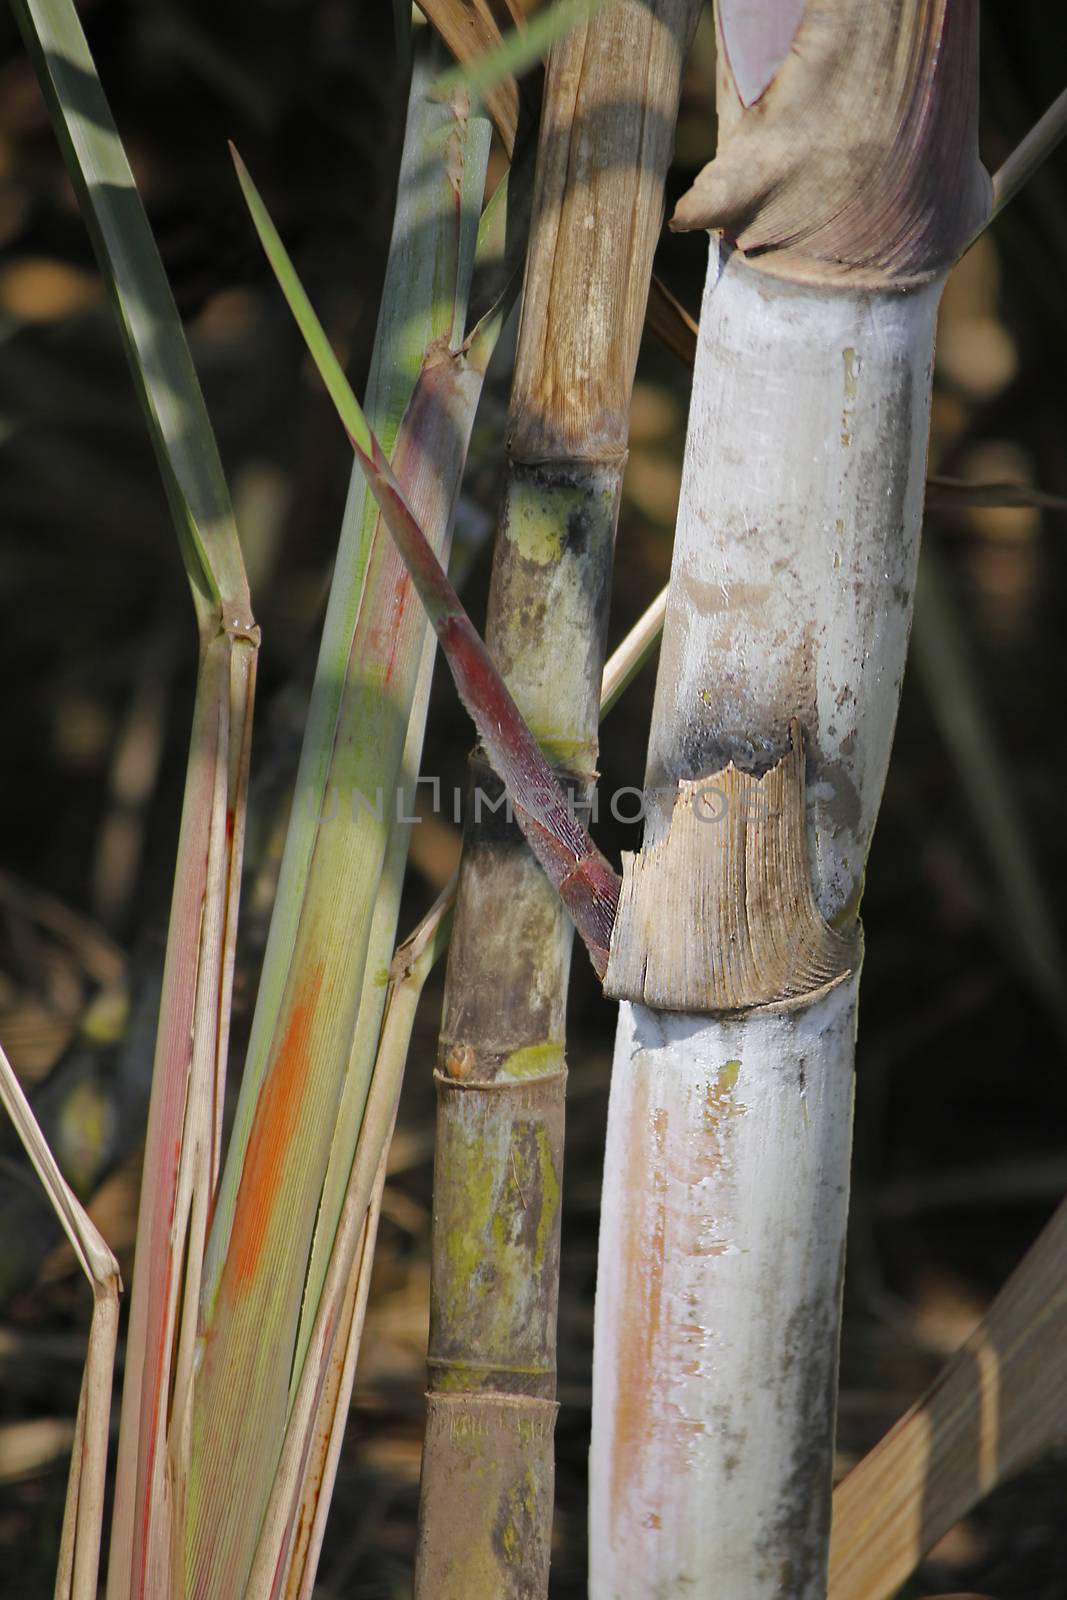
797	541
726	1173
722	1240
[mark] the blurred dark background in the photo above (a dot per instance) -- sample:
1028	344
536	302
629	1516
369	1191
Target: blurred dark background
962	1097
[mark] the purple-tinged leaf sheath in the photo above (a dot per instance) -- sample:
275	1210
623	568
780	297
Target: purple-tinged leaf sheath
756	36
860	160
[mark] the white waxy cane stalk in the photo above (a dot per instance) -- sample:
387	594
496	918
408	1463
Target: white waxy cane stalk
726	1171
736	951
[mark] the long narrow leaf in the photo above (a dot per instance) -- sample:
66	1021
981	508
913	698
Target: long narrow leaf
994	1408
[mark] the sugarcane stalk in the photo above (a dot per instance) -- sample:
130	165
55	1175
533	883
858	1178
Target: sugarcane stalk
485	57
606	135
847	181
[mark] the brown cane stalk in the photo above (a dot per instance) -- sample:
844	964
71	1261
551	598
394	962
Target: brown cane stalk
606	135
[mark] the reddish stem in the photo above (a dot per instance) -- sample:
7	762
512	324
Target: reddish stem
587	883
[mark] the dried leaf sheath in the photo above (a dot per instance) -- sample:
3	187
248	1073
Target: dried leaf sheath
859	161
737	846
606	136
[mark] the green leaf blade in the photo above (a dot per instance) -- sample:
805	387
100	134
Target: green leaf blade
519	50
151	329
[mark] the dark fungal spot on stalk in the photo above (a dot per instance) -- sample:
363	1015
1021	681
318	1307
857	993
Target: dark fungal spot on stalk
707	750
519	1533
732	1435
579	533
792	1550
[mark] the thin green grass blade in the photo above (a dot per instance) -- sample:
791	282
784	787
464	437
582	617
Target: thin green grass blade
152	333
319	347
520	50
